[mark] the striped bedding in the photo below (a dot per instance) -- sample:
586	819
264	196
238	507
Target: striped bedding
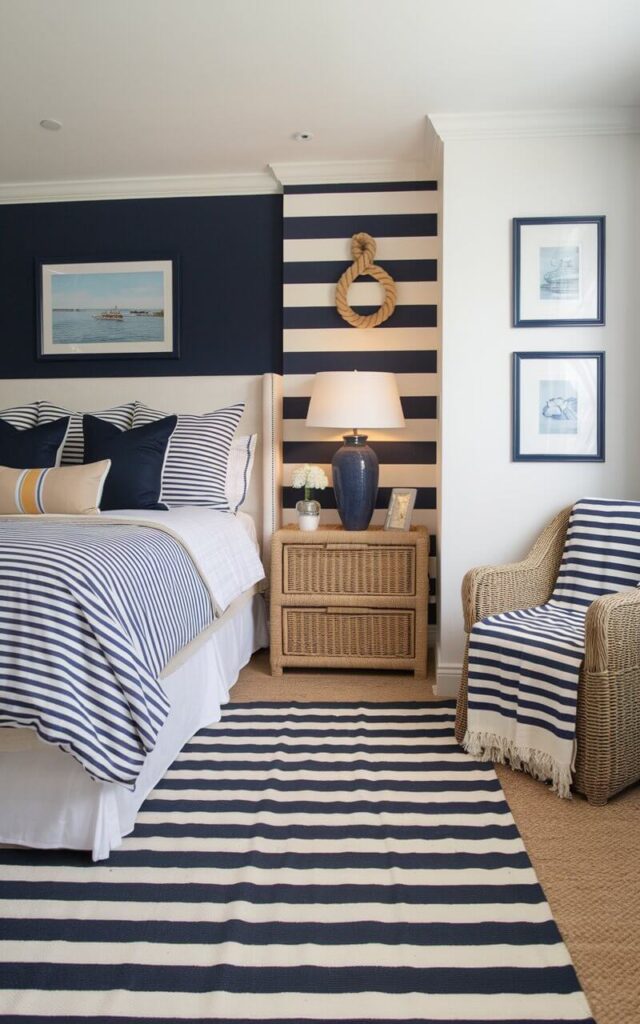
524	665
91	611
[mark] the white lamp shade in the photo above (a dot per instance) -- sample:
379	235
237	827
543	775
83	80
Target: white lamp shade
353	399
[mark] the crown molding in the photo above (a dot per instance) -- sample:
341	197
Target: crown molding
345	171
434	150
261	183
537	124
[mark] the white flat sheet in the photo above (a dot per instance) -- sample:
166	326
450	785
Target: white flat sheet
248	525
219	544
48	801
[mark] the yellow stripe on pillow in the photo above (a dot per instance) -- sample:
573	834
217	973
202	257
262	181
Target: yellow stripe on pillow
62	490
27	488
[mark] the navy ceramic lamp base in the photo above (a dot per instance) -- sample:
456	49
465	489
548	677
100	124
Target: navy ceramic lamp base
355	481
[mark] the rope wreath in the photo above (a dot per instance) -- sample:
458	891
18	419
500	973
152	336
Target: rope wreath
363	250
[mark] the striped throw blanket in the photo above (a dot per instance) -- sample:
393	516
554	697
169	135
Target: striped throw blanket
524	665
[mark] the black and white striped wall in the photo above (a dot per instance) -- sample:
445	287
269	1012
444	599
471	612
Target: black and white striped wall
318	222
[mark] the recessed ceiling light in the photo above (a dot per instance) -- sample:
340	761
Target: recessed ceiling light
51	124
303	136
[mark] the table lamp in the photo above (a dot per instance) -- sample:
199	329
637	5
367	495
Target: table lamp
368	400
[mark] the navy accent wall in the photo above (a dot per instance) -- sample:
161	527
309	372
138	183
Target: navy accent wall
230	253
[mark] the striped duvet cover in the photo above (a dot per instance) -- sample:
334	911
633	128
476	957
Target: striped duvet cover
91	611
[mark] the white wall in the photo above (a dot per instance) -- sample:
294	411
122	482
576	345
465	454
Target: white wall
491	507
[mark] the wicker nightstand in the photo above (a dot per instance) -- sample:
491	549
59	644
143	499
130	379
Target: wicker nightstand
342	599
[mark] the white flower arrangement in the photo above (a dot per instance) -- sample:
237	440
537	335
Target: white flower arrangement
310	477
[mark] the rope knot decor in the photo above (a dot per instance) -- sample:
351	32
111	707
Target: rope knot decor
363	250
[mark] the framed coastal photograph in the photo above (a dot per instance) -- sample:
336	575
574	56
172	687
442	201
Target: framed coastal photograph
108	309
558	271
400	508
558	406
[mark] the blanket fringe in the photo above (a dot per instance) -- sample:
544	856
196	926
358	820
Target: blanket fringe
488	746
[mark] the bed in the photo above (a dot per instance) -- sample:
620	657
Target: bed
52	797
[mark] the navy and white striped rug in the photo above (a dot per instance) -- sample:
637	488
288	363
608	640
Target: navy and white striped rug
327	862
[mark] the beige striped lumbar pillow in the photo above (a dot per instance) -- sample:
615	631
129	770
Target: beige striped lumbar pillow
62	490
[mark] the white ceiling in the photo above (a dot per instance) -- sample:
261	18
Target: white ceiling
197	87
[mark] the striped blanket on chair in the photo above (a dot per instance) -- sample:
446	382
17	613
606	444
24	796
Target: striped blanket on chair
524	665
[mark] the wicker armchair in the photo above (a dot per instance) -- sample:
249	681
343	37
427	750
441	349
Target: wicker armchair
608	714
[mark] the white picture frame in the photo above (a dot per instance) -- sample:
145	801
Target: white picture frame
400	508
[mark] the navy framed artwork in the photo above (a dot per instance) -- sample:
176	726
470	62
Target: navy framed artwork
558	271
558	406
114	308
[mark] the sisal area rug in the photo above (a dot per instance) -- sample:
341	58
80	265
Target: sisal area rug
298	863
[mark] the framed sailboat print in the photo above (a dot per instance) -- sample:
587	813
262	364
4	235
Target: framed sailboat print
558	271
101	310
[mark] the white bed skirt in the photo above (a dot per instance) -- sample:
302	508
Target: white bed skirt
47	800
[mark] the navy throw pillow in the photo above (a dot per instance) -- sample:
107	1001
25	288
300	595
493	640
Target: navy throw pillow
34	448
137	457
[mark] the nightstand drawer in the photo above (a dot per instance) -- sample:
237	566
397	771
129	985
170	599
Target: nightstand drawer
375	570
348	632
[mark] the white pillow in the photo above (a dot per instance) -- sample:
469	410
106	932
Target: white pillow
73	452
22	417
195	470
239	469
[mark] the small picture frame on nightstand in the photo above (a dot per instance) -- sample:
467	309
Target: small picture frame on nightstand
400	508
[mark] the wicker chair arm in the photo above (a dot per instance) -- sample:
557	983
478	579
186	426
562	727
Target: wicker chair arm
612	641
489	590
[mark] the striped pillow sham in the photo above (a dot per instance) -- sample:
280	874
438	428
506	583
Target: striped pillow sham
73	452
195	469
23	417
239	469
63	490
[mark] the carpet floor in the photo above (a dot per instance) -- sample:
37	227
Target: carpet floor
585	857
587	861
299	862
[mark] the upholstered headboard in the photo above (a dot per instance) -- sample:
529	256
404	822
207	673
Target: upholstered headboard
262	395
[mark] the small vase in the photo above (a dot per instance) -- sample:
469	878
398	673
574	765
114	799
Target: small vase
308	515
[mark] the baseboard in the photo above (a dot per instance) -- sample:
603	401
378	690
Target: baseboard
448	680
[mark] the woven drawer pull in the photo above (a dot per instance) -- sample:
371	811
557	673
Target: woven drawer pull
345	547
354	611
